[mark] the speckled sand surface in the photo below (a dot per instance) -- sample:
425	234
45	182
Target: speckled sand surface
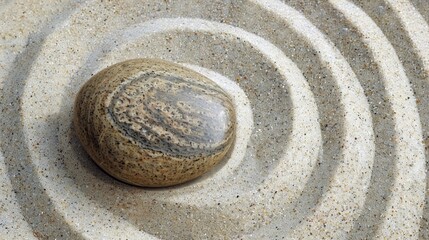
332	119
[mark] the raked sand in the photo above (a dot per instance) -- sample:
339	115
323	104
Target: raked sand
332	104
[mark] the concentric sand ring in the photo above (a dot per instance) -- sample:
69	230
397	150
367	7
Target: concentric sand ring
332	119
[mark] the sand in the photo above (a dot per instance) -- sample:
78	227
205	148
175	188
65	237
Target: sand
332	119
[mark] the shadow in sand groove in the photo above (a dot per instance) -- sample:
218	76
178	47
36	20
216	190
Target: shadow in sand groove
35	204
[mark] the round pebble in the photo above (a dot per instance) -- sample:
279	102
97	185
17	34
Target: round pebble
154	123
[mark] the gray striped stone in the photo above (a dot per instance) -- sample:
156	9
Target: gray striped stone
154	123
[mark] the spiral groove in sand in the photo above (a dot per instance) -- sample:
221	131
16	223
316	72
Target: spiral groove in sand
332	119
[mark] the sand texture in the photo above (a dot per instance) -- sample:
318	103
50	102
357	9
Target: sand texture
332	119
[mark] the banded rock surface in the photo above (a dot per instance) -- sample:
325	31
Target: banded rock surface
332	127
154	123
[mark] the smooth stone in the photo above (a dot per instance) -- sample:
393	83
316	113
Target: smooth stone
154	123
